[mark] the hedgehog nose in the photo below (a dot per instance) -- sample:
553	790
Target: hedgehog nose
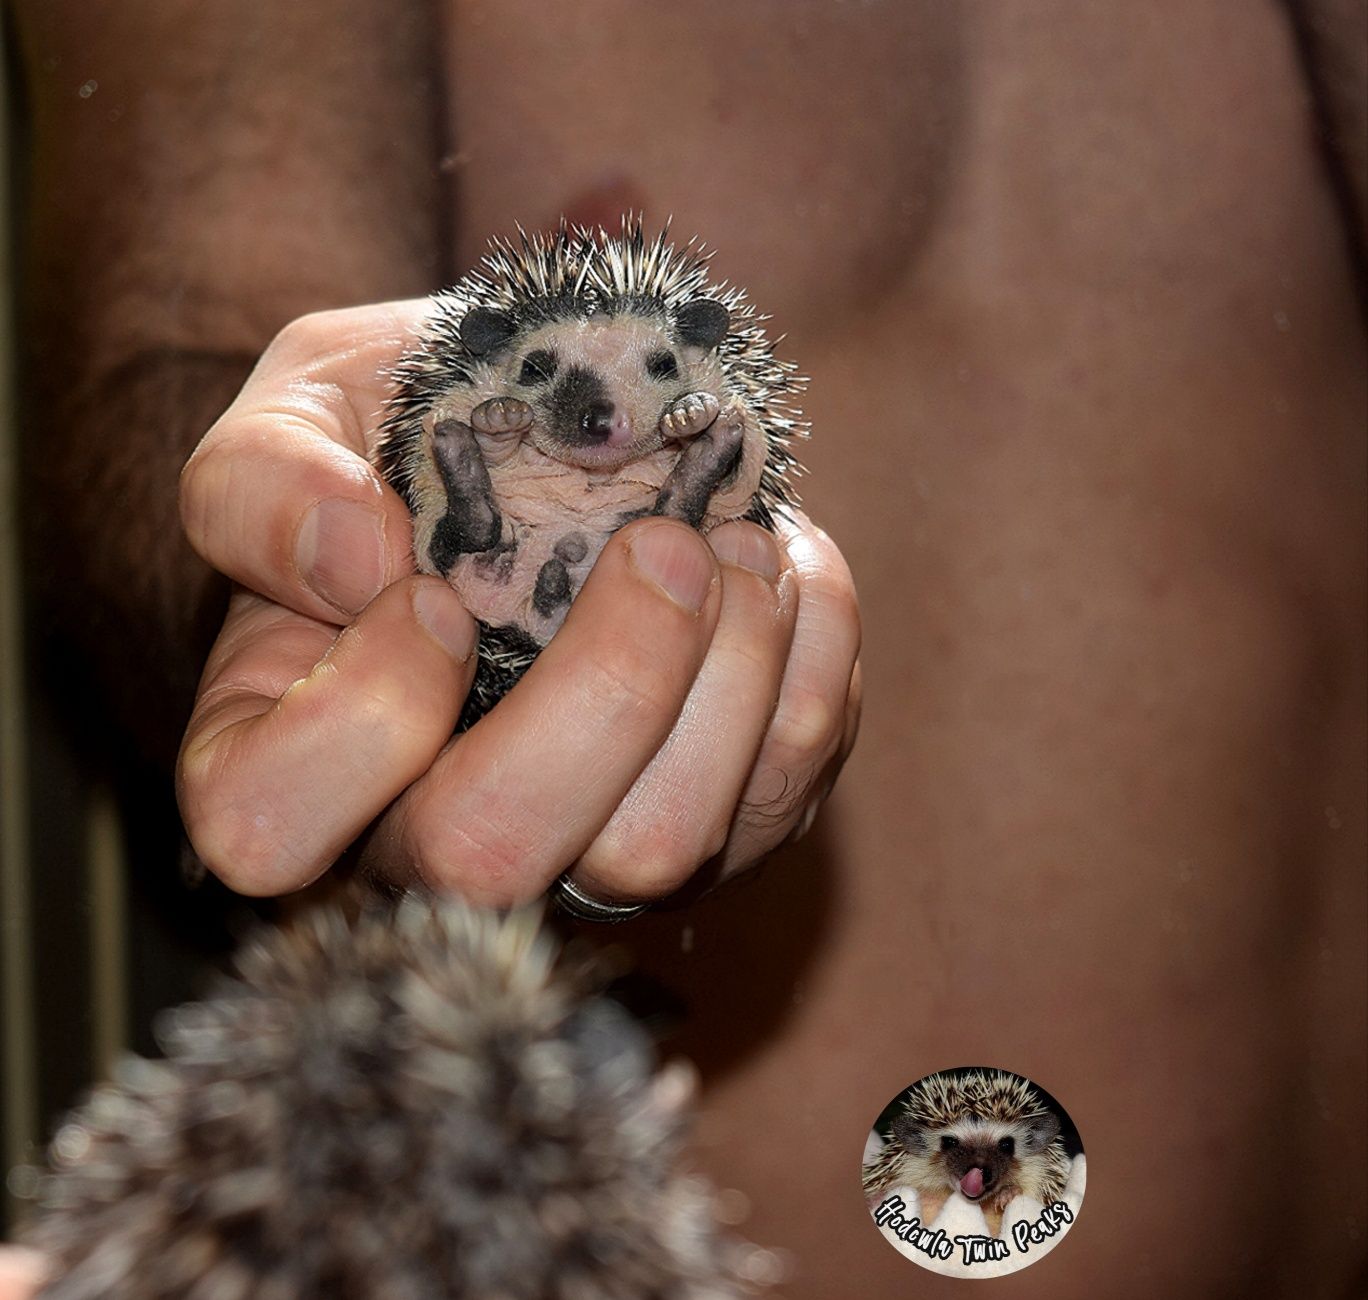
596	421
603	422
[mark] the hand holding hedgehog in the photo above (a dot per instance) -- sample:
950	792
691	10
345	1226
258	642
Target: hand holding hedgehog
695	705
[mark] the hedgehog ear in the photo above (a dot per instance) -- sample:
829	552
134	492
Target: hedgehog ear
909	1133
1042	1130
485	328
702	323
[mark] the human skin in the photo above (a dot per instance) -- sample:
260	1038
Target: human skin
674	647
1077	300
21	1271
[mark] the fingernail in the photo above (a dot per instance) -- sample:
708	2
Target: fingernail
674	557
748	547
340	553
439	610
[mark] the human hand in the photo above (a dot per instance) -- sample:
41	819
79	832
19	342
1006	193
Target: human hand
22	1272
694	708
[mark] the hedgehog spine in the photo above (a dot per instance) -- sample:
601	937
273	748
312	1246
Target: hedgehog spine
413	1105
521	388
949	1135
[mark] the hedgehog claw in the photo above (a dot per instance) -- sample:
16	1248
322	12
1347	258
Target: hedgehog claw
690	415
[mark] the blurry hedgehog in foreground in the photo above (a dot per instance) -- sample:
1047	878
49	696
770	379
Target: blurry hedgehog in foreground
572	383
423	1102
987	1134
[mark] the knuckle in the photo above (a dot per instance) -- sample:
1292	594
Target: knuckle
306	337
200	489
714	840
386	717
470	849
246	843
804	724
846	604
629	680
836	616
646	866
751	664
381	700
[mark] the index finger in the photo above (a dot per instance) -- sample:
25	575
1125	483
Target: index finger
280	495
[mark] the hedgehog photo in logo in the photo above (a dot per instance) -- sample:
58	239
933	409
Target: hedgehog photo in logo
986	1135
575	382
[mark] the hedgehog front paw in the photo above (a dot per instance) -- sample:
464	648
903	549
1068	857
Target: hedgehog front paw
501	415
499	426
690	415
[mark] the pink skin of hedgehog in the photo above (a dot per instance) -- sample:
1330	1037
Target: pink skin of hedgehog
590	441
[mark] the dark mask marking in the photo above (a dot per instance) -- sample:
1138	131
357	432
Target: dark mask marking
578	403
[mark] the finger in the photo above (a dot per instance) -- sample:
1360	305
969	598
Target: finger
22	1272
813	715
822	788
280	494
678	812
300	740
850	728
522	794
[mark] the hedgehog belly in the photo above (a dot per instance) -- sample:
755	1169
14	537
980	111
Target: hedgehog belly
557	518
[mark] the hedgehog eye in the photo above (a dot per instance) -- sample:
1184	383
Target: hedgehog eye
1007	1146
662	365
949	1143
537	367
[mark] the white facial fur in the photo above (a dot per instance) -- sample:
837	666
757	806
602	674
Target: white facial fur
615	352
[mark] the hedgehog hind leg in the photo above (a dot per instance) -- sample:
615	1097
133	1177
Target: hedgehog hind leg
472	522
702	468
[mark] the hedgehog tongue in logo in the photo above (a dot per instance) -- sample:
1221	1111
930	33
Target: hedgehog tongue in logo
573	383
987	1134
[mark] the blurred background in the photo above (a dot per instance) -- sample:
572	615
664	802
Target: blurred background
91	945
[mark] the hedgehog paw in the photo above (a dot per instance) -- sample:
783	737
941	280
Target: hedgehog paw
501	415
688	416
499	425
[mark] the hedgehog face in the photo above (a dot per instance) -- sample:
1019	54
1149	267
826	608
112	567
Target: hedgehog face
571	384
979	1158
599	385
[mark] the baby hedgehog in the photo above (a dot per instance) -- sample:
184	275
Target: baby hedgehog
572	383
986	1134
413	1105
